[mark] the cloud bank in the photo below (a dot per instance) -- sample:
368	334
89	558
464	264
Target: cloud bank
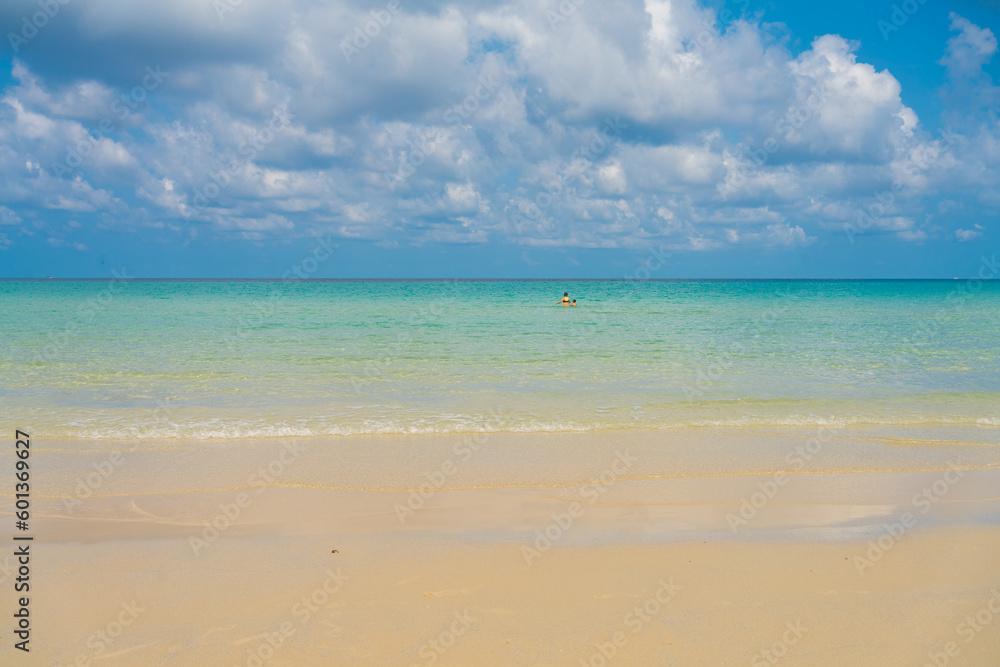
555	124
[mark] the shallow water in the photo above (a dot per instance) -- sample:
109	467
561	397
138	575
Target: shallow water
231	359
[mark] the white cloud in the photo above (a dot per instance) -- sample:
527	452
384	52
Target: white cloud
845	108
969	50
462	195
726	137
8	217
57	242
969	234
777	234
915	236
612	178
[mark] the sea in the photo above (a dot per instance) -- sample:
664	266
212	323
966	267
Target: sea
224	359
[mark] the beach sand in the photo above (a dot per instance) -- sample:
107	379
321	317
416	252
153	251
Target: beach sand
865	546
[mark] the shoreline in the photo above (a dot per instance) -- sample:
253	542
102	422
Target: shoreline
487	428
503	459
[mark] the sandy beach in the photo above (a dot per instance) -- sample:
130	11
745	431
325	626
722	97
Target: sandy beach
488	334
863	546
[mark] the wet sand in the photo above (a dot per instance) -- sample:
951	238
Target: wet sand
863	547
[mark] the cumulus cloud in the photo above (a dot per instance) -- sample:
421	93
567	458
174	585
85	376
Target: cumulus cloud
970	49
969	234
519	123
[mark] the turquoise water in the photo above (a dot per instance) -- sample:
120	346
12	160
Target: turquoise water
215	359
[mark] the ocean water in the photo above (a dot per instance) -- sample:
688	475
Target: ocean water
231	359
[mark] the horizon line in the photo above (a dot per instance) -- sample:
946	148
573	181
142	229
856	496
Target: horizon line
623	280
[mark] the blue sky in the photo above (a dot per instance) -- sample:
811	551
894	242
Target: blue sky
226	138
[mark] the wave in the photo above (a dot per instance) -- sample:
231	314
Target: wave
235	428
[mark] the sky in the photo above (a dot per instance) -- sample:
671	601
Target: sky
514	139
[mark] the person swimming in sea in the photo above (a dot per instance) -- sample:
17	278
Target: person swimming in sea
565	300
574	302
